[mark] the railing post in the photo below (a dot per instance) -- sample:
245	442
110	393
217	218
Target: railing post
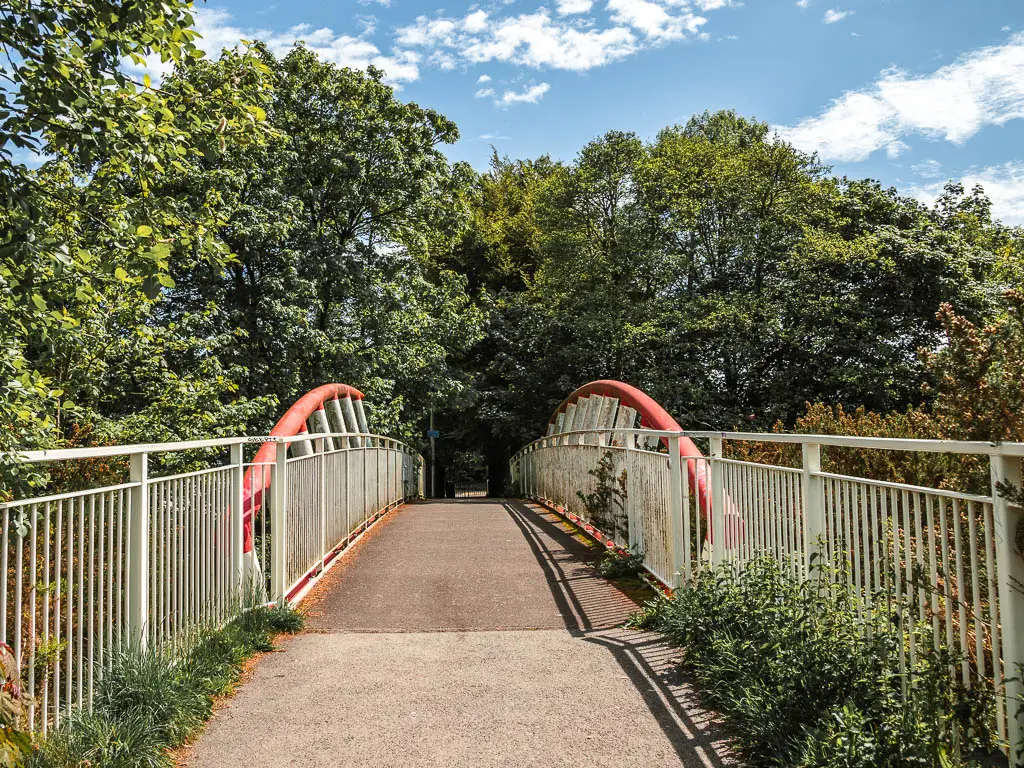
236	523
279	527
675	511
1009	525
321	447
527	463
717	502
138	553
813	487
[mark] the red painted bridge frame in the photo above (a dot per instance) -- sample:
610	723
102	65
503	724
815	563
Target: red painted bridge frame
257	480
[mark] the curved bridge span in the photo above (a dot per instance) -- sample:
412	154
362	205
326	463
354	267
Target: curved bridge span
477	632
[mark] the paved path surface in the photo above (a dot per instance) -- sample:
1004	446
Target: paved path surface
469	633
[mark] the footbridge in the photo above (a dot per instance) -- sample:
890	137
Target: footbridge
476	631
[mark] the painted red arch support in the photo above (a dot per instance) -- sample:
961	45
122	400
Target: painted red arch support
258	479
653	416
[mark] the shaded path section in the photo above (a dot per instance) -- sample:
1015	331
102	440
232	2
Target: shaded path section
420	653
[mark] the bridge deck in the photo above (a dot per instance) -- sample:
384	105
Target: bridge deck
467	633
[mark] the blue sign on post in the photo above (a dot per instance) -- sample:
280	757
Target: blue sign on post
433	433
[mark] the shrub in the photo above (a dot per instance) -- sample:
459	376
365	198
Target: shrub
806	682
98	739
155	693
615	564
15	741
147	702
606	505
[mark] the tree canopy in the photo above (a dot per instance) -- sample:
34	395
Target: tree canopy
185	258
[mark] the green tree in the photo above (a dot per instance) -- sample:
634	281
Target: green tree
335	226
88	218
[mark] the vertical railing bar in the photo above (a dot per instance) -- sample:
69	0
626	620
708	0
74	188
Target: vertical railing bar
879	566
58	600
919	533
965	666
4	564
908	554
46	615
99	579
19	596
91	669
998	675
69	625
930	502
893	515
32	591
946	573
110	576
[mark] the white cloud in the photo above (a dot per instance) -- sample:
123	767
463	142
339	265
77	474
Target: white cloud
484	79
385	3
803	3
567	41
984	87
493	137
653	20
475	22
1006	28
895	149
709	5
835	15
483	93
218	32
928	169
570	7
530	95
1004	185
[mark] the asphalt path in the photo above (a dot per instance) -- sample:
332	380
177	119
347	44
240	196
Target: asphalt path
465	633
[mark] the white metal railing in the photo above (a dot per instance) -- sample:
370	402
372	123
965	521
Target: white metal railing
148	560
951	558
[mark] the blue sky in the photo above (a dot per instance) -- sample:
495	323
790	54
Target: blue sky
911	92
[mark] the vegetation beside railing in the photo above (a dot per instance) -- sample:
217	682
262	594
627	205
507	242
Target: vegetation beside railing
606	504
149	703
805	679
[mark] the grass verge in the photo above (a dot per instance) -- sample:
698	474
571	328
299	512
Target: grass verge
148	702
803	680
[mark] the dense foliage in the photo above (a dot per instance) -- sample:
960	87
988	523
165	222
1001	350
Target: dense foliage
805	679
182	259
725	273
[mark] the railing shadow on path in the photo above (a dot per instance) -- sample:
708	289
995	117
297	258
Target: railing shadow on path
594	610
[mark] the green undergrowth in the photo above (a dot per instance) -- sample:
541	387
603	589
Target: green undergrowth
148	702
802	681
616	564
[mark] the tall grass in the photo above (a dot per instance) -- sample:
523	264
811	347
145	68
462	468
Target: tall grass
806	681
148	702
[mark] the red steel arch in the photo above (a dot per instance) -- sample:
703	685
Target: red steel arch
653	416
257	480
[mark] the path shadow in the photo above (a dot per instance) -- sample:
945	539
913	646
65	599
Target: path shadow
594	610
